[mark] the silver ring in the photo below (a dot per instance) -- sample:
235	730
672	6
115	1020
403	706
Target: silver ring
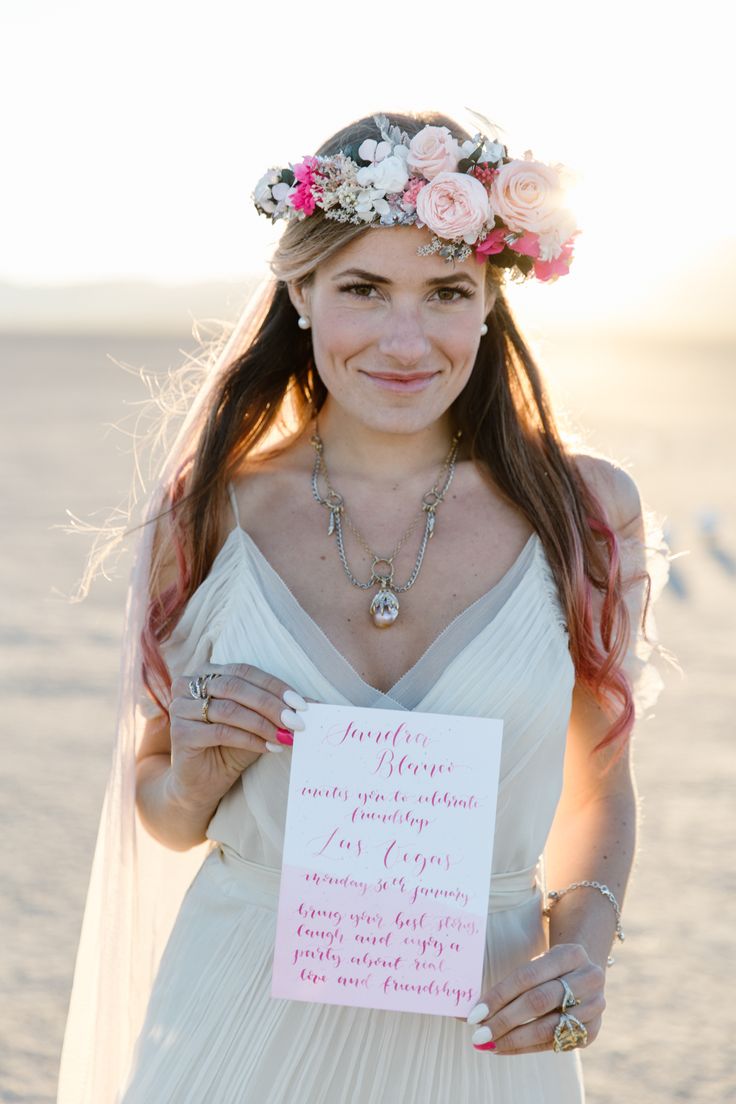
198	684
205	707
569	999
204	679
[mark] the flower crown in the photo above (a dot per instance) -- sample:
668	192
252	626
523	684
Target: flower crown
472	196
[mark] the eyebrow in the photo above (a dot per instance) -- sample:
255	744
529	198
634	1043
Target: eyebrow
374	278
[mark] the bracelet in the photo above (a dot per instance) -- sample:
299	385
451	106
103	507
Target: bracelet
555	894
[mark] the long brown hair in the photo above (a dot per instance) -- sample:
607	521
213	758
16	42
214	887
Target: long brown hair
503	411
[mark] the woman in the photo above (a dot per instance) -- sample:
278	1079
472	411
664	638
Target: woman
381	377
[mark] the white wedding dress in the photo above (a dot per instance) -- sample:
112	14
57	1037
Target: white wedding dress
212	1032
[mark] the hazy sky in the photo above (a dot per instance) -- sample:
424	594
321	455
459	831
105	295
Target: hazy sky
134	133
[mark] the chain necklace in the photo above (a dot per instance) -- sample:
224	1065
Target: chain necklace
384	608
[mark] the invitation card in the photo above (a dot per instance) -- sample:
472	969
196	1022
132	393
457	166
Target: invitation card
387	859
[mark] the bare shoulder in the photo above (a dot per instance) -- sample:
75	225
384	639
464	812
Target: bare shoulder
271	470
615	489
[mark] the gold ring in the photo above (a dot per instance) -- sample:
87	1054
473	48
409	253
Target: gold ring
569	999
569	1033
205	707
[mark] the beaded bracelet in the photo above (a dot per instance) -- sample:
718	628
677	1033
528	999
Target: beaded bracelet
555	894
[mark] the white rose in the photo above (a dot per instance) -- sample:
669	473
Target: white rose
391	174
388	175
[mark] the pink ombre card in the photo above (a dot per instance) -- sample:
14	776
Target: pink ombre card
387	859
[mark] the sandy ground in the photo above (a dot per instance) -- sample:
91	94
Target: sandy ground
665	411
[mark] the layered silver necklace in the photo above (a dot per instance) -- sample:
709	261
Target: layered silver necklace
384	607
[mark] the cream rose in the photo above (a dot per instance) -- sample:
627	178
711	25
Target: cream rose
454	205
390	174
433	150
528	196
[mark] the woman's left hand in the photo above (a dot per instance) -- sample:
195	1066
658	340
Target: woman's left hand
525	1007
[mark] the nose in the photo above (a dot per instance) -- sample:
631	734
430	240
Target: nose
403	338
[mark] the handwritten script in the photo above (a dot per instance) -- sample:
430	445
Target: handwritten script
387	859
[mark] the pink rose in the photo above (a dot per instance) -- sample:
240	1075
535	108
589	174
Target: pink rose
454	205
528	196
433	150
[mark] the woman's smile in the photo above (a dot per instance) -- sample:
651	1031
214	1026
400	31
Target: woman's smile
400	382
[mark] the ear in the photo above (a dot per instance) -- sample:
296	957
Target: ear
299	295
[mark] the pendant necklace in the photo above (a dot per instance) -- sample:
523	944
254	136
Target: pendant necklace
384	607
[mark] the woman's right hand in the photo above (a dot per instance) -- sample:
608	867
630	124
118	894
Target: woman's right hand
246	708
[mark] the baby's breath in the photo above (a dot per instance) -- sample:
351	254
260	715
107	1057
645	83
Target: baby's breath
451	251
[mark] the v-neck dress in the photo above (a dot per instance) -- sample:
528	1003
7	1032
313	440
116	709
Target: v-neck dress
212	1033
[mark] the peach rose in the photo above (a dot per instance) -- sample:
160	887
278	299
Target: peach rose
433	150
528	197
454	205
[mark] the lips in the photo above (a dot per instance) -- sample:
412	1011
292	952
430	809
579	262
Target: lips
401	384
400	377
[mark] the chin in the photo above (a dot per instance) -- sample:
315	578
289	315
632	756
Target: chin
399	419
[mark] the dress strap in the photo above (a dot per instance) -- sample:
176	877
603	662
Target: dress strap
234	504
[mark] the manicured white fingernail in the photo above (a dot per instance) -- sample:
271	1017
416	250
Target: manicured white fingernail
294	700
274	747
478	1013
292	720
482	1035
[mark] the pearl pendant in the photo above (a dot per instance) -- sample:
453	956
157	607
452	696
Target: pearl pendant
384	609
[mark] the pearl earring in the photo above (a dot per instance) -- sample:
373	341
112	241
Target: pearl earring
483	330
303	322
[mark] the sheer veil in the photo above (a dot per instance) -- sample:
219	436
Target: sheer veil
136	884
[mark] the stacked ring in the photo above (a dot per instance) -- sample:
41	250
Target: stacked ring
198	685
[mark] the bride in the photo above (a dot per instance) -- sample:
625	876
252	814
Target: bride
370	502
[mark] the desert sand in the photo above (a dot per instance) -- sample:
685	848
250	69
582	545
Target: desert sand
663	409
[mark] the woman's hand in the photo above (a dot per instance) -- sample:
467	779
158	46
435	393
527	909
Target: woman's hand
523	1010
249	712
